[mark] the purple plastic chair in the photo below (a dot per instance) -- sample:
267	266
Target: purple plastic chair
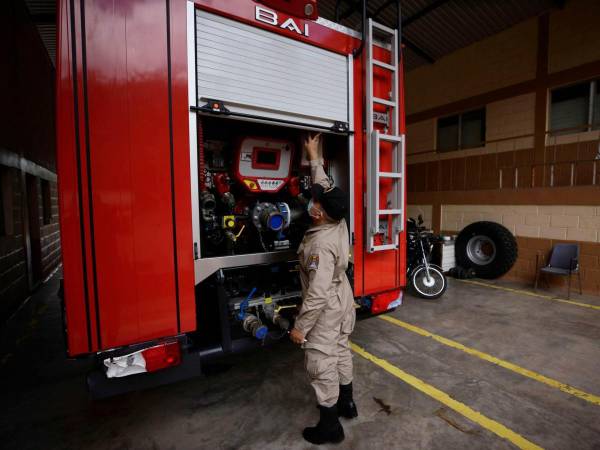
564	262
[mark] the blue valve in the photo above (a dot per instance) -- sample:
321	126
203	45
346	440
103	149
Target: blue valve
242	314
261	332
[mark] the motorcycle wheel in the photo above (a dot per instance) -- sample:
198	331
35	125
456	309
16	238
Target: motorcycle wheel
431	288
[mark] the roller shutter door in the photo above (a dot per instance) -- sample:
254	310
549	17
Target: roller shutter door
267	75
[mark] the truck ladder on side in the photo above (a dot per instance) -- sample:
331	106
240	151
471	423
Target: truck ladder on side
395	204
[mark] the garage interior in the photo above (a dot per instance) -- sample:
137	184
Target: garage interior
503	125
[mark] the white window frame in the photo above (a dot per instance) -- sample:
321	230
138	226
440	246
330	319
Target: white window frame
589	126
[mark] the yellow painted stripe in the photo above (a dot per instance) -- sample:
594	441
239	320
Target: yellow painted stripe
475	416
500	362
531	294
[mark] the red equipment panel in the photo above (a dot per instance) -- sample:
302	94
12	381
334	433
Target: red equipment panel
133	167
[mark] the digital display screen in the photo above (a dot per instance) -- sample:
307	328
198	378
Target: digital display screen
266	157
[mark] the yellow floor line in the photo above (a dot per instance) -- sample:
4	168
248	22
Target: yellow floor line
475	416
500	362
531	294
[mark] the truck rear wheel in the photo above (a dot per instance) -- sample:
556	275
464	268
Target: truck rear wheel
488	248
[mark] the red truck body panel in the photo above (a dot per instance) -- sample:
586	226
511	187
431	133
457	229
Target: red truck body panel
124	168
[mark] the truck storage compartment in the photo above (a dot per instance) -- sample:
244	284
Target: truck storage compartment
253	189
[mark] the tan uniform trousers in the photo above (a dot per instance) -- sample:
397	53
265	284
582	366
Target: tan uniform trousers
327	315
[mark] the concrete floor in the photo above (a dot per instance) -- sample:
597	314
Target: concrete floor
263	401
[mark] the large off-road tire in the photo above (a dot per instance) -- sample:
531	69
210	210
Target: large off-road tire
487	247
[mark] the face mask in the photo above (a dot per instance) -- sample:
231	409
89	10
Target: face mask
310	207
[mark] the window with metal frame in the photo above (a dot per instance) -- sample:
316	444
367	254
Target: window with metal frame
461	131
574	108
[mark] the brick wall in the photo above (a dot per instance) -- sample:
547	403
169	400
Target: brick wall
573	164
589	262
50	234
27	155
15	271
13	262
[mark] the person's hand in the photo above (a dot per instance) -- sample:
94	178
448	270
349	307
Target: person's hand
296	337
311	146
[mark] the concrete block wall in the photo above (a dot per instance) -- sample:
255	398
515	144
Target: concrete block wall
574	35
420	137
509	127
511	118
575	223
544	188
502	60
538	229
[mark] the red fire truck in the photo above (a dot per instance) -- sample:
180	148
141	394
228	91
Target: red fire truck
182	181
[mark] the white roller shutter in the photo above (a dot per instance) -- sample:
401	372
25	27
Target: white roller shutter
264	74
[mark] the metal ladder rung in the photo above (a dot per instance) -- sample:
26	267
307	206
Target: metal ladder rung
384	65
390	174
384	28
390	138
382	101
394	212
391	212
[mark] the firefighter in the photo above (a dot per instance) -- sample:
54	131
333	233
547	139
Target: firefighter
327	315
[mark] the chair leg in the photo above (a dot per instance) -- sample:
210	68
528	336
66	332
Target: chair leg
569	288
537	277
579	279
546	282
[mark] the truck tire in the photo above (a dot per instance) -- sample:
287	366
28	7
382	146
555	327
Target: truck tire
486	247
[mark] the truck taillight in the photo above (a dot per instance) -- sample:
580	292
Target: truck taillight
162	356
386	301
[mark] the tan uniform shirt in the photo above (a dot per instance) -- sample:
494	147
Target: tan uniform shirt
326	292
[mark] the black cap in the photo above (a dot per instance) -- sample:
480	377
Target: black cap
334	201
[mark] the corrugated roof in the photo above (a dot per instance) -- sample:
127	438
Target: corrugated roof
43	15
447	27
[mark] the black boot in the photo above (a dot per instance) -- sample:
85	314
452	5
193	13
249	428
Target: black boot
328	430
345	404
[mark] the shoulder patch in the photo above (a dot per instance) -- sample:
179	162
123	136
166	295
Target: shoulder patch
313	262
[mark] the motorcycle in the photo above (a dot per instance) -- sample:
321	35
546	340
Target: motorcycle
426	279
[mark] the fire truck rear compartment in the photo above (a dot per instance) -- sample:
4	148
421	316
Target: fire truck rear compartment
254	186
